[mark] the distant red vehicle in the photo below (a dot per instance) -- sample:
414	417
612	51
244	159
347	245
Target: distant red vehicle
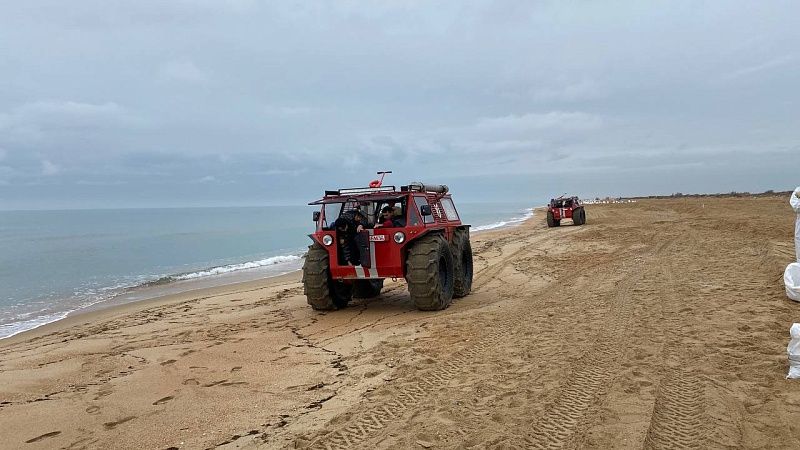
427	244
565	208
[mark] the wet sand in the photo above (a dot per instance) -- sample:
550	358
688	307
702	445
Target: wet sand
659	324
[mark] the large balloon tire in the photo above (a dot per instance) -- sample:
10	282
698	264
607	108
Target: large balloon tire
462	257
430	273
322	292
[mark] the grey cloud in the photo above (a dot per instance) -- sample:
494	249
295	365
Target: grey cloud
49	169
274	101
771	64
568	92
182	71
525	123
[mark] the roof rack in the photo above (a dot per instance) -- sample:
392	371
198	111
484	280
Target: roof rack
360	190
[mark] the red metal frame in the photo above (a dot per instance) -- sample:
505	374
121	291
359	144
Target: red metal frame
563	212
387	256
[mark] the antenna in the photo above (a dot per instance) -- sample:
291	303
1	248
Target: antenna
379	183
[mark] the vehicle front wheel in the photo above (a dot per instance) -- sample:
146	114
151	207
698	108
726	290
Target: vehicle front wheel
322	292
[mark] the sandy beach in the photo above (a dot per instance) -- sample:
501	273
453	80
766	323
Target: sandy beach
659	324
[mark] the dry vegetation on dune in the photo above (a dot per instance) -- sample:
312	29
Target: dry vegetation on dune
659	324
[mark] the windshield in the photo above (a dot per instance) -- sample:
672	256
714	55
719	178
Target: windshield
371	210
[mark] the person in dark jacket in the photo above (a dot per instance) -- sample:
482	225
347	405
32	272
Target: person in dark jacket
347	228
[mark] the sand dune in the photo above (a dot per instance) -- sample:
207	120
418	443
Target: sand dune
659	324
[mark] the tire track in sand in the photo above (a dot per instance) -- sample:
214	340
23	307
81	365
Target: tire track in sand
404	398
678	410
595	370
358	430
677	414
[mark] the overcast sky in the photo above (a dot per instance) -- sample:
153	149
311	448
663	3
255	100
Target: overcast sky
209	102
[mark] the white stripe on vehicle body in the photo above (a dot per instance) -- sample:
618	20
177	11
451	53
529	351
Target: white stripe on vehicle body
372	262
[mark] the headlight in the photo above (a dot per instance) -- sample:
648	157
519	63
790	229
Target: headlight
327	239
399	237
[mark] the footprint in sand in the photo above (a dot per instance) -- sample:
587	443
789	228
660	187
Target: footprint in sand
191	381
93	409
114	424
236	369
161	401
44	436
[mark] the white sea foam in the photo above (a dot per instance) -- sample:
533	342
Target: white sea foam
10	329
235	267
506	223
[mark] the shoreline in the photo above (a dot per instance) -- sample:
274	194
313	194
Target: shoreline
84	316
198	287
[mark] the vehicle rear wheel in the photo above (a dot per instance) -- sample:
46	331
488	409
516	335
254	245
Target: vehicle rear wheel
578	216
429	273
462	258
322	292
367	288
551	221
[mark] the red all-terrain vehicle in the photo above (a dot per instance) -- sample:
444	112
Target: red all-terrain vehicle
565	208
365	235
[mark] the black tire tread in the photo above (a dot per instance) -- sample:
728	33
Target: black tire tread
422	274
462	249
317	283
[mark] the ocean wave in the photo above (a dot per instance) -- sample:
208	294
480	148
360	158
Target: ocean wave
10	329
505	223
219	270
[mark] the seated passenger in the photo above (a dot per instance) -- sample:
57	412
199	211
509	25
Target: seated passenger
397	215
387	218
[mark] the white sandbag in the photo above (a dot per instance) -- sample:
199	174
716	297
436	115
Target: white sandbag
791	279
793	351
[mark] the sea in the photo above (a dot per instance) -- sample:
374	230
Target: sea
57	263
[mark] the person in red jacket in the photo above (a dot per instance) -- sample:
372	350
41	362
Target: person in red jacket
387	216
